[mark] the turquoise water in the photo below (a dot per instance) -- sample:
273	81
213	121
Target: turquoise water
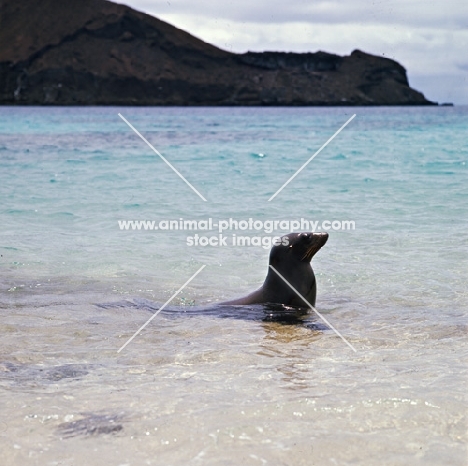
204	390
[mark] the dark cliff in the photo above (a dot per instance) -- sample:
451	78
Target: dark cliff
94	52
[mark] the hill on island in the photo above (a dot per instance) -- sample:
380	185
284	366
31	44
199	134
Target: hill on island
95	52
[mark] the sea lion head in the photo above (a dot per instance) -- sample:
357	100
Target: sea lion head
297	247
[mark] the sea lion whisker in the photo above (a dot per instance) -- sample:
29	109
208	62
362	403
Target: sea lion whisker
309	253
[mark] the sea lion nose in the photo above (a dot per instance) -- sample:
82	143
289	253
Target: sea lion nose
323	238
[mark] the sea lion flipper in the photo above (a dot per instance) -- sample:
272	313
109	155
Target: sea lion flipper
253	298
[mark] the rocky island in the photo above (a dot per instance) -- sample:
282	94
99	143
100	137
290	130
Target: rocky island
95	52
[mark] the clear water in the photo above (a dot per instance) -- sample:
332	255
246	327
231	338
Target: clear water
198	386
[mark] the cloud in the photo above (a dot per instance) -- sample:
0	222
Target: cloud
415	13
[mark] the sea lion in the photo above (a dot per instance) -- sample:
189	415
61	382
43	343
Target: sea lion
291	258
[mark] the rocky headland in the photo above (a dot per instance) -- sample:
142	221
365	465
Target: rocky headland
95	52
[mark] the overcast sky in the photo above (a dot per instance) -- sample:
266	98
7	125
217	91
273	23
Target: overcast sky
429	38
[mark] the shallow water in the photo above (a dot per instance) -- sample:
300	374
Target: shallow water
205	384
